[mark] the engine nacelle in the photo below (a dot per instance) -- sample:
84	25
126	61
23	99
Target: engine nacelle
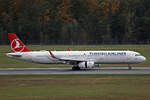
88	64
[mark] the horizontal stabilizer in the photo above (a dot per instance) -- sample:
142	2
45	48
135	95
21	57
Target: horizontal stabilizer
14	54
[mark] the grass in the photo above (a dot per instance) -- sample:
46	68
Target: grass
6	62
75	87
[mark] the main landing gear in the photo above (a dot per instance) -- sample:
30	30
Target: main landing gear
129	67
75	68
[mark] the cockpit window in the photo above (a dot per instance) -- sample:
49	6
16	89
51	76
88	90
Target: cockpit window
137	55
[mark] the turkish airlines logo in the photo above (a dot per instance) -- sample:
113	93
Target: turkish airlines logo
16	46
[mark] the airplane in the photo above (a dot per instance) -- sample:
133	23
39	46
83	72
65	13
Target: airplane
79	59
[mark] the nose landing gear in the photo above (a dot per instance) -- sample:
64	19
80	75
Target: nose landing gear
129	67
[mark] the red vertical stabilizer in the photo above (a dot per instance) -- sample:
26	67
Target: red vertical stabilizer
16	44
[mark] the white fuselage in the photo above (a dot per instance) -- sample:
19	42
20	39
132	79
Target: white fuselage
62	57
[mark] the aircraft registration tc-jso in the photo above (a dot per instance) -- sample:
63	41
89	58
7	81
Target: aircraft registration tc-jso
79	59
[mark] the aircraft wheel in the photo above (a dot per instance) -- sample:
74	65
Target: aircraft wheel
75	68
129	67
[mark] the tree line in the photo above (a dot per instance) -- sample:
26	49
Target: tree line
54	21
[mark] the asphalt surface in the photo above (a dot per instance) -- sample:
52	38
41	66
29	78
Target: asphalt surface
104	70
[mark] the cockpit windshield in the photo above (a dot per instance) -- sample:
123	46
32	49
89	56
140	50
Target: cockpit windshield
137	54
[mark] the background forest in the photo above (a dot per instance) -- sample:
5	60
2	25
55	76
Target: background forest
76	21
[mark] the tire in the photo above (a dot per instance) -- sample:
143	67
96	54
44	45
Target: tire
75	68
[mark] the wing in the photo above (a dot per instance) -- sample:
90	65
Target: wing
70	59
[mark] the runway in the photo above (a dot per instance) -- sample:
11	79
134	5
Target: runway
103	70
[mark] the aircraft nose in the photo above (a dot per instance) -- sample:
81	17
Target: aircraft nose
143	58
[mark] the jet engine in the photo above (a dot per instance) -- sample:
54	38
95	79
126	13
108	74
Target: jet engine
89	64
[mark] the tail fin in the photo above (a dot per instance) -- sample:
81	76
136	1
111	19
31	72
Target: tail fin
16	44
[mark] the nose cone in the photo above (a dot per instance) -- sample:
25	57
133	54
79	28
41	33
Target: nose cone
143	59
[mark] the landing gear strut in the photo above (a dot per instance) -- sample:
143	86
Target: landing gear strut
129	67
75	68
